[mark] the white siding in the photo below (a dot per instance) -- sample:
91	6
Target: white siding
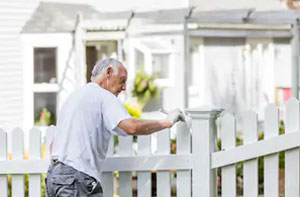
13	16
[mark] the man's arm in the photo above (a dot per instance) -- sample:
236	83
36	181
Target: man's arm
134	126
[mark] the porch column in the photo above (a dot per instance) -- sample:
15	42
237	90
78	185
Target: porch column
295	59
80	64
186	65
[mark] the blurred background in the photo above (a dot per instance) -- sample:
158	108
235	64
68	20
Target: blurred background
238	55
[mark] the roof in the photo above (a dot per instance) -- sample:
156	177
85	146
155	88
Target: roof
58	17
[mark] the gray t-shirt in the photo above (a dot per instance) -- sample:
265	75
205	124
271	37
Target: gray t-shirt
85	125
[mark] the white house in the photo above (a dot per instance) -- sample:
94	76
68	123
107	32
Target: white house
50	51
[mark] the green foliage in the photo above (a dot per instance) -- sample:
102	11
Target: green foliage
134	111
144	88
45	118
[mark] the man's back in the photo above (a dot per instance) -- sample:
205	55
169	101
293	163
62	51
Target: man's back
84	128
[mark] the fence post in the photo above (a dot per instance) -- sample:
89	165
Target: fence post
204	142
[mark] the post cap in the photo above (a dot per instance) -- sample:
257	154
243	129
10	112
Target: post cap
204	112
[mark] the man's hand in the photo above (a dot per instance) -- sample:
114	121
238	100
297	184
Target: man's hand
174	115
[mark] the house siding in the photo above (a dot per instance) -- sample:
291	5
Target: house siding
13	16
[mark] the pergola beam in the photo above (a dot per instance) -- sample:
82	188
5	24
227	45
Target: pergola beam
227	33
245	17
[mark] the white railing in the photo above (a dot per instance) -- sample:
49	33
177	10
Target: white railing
195	163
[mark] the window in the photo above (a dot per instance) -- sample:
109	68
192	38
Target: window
44	108
45	86
139	61
160	64
45	65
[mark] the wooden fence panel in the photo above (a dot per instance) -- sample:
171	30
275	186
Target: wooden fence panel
17	154
292	156
3	157
144	178
271	162
163	177
35	153
183	146
125	178
108	177
251	166
228	136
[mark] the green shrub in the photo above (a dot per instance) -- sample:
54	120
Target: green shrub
144	88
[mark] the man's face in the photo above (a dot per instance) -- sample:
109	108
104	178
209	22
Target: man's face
117	83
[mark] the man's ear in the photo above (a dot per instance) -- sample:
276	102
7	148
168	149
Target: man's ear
109	71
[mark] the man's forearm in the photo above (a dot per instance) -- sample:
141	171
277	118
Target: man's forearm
146	127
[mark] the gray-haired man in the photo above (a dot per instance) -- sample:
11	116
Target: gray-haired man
87	120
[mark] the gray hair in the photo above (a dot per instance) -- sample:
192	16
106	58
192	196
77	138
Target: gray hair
102	65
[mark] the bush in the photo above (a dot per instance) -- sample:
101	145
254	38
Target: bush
144	88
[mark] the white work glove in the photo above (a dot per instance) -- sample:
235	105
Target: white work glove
174	115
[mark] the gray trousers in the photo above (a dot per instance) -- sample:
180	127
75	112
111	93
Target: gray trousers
64	181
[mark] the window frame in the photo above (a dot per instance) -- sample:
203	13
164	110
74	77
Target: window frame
62	43
136	44
46	87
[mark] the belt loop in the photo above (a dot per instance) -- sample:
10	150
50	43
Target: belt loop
54	161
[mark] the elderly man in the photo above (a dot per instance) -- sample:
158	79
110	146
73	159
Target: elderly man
87	120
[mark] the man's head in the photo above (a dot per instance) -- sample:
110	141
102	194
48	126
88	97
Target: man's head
111	75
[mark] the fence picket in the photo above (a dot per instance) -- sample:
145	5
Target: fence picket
292	156
107	177
35	153
271	162
228	136
183	146
49	138
251	166
163	177
125	178
17	181
144	178
3	157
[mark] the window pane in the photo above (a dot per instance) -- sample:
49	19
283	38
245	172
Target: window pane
139	61
44	108
161	65
45	65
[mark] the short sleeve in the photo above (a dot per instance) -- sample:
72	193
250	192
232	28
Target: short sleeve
113	112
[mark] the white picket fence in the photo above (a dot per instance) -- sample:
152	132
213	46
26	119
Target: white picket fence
196	160
252	149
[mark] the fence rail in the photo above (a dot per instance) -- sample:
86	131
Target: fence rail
195	163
